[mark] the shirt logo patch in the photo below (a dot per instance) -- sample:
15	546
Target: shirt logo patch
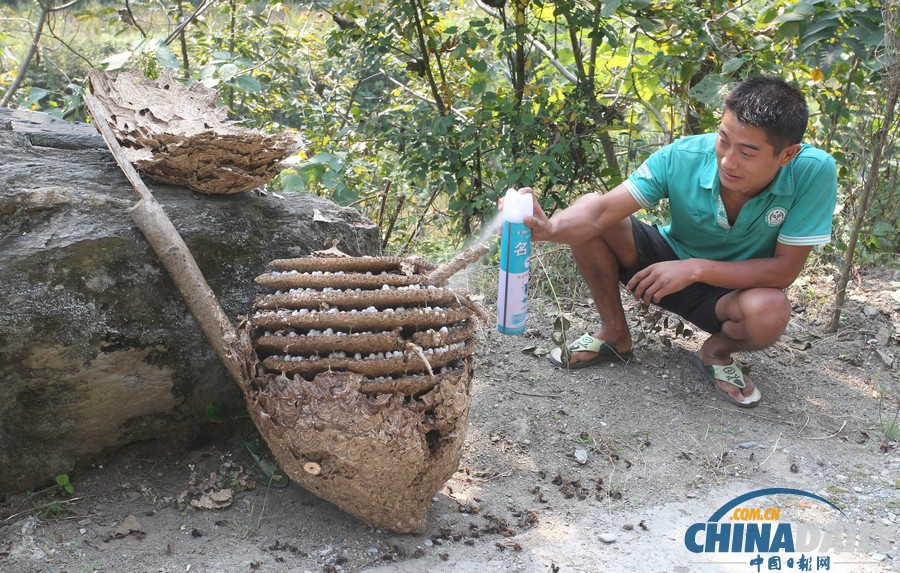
775	217
644	171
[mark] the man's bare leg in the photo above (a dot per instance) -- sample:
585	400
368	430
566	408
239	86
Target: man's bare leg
598	261
752	319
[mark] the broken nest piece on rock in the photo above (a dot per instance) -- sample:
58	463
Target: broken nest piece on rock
177	135
363	389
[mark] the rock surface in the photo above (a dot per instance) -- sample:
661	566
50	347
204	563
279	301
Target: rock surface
97	349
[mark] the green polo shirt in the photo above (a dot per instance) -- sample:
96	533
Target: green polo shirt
795	209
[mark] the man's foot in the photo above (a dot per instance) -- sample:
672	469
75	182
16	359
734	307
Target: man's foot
585	351
730	382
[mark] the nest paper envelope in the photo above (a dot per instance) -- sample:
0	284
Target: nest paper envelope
177	135
364	387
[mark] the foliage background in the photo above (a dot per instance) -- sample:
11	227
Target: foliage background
421	113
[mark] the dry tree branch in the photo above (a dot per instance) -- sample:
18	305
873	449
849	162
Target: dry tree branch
544	50
26	61
442	274
133	20
178	29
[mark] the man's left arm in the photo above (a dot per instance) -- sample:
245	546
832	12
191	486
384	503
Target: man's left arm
778	271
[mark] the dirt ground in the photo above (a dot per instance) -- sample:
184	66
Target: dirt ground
602	469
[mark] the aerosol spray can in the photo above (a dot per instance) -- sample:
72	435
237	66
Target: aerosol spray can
515	258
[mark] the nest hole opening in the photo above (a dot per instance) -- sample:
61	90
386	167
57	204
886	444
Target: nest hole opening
433	441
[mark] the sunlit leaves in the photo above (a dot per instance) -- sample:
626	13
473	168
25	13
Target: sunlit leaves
353	82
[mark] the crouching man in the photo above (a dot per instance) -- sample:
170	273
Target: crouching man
748	203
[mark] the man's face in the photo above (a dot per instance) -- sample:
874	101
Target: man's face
747	161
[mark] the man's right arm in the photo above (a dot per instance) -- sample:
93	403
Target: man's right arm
584	219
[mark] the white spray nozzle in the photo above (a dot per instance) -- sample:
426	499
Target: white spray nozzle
517	206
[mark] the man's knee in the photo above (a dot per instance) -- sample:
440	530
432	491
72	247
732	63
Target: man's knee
615	246
766	310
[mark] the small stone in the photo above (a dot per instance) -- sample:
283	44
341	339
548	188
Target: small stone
608	537
878	557
581	456
748	445
628	527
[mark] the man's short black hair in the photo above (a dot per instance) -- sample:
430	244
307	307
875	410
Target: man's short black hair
772	105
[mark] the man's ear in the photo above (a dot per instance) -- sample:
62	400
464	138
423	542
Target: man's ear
788	153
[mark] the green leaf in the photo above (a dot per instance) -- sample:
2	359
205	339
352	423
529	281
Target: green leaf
711	90
867	36
787	32
858	48
797	15
344	196
292	183
310	174
217	413
62	480
115	61
228	71
733	65
248	84
211	82
609	8
827	56
823	21
33	96
271	471
166	57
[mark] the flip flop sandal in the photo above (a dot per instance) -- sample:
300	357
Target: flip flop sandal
729	374
559	356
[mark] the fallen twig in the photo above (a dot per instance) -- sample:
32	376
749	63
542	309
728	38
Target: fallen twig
44	506
535	394
778	439
841	429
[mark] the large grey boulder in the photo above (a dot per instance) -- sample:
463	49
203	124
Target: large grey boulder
97	349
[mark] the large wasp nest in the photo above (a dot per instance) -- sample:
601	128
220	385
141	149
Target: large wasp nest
364	384
177	135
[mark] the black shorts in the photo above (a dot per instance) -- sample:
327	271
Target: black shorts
696	302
